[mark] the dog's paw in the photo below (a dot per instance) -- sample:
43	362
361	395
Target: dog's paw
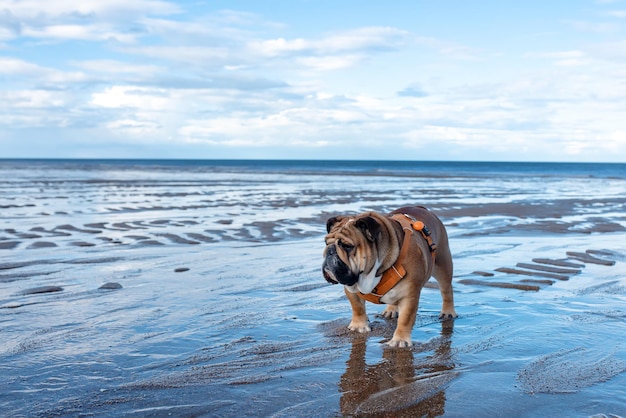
359	327
444	316
390	312
399	342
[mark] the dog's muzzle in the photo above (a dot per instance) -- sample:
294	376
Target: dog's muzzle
336	271
329	276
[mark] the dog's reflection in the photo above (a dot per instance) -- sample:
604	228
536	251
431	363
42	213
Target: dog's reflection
407	382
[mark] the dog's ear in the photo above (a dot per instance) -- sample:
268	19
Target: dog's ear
369	227
332	221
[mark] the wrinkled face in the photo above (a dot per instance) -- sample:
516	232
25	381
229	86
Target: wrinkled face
348	245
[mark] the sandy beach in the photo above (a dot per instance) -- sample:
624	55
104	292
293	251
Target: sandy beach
161	290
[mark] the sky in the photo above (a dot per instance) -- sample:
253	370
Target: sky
481	80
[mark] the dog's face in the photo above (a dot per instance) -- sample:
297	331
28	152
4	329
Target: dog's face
350	248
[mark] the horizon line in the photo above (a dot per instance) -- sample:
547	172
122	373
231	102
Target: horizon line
122	159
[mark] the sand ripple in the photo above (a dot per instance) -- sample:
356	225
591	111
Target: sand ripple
569	371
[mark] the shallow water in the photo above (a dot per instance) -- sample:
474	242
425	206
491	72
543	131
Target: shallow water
222	310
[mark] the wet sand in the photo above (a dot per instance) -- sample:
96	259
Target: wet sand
143	294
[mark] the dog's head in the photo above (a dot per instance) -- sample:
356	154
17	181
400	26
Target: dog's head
351	247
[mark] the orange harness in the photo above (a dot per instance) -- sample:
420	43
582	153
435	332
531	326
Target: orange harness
392	276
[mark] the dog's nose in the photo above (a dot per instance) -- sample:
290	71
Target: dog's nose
331	250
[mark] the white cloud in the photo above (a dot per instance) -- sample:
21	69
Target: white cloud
363	39
132	96
329	63
208	57
134	127
617	13
90	20
597	27
40	10
25	71
450	49
303	124
5	35
116	67
17	66
32	99
564	58
276	47
78	32
611	51
332	52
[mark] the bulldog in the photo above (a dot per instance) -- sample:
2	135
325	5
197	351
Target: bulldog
387	259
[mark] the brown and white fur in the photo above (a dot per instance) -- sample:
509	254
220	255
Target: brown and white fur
360	248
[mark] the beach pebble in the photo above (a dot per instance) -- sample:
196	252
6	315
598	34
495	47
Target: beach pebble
110	286
181	269
9	245
26	235
483	273
148	242
41	289
11	305
41	244
83	244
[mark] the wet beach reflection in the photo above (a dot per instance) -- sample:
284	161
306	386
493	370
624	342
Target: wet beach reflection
404	383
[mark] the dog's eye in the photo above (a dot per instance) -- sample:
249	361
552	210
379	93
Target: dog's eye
346	247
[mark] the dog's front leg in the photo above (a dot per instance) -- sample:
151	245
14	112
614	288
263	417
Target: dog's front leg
359	315
407	309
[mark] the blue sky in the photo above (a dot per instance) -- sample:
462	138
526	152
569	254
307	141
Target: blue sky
410	80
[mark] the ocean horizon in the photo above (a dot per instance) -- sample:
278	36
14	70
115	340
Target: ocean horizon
314	166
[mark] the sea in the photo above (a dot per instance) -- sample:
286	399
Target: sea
400	168
194	288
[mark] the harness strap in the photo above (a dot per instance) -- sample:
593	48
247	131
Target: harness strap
392	276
